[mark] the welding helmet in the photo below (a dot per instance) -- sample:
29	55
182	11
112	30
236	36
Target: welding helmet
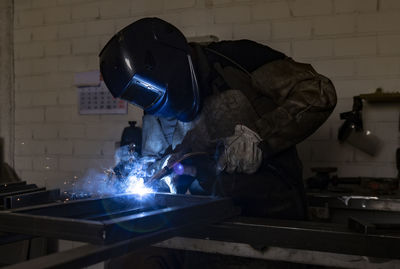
148	64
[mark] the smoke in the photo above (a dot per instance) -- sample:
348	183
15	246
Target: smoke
127	176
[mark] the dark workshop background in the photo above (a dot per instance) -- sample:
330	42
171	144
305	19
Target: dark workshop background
356	43
43	43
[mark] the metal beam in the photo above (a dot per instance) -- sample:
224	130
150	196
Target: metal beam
258	238
278	254
107	220
92	254
35	198
313	236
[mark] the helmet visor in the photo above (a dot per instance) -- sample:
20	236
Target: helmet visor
143	92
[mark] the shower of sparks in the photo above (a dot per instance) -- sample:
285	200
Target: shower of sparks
127	176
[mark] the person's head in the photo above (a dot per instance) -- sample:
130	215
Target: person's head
148	64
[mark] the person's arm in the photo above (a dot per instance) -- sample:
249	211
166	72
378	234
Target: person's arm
291	99
304	100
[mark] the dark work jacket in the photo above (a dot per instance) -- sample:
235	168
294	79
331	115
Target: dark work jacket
276	190
283	101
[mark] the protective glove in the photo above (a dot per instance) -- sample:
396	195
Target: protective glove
241	153
187	167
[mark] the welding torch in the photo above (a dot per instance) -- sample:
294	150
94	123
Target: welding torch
168	169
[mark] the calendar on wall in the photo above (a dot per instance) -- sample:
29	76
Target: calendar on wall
94	97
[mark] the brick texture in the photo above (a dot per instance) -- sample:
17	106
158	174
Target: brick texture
350	6
311	7
353	42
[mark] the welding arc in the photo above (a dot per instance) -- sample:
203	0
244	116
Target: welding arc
168	169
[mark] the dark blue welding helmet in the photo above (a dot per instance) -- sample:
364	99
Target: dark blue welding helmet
148	64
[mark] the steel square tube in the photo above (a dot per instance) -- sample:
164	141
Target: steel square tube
316	236
54	227
57	220
257	232
78	208
11	238
120	213
15	188
91	254
11	184
29	199
168	217
4	195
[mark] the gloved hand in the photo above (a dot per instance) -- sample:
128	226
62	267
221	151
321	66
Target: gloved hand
187	167
241	153
180	169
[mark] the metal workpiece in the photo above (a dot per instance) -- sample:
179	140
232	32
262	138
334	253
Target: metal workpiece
4	186
111	219
6	238
9	192
315	236
30	199
285	240
278	254
12	188
355	202
91	254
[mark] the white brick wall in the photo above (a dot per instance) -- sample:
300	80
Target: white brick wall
354	42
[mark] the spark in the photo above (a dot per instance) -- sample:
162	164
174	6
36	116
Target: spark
136	185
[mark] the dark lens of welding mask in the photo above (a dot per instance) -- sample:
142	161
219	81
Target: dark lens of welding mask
144	92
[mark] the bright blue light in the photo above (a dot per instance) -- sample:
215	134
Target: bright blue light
179	169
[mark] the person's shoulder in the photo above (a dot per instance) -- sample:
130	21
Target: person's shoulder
248	53
238	42
241	44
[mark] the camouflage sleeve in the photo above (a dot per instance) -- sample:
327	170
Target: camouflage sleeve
304	100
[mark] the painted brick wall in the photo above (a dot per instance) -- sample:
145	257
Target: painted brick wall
354	42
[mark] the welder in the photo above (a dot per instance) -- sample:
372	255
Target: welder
239	107
242	104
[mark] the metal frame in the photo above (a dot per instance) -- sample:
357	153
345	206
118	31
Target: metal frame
111	219
261	234
92	254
